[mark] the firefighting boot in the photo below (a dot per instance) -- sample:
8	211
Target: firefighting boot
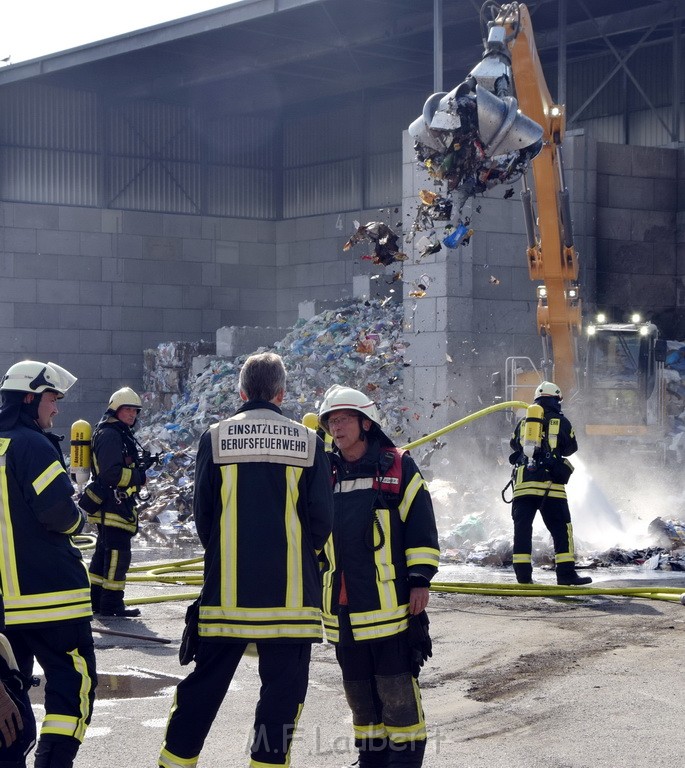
407	755
374	753
112	604
56	752
524	573
567	576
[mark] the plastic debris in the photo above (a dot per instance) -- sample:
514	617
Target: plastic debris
427	246
358	344
435	206
420	287
460	235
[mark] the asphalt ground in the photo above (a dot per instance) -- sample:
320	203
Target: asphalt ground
514	682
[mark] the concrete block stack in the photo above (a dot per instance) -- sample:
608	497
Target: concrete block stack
167	370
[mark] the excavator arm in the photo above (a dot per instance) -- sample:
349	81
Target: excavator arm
551	254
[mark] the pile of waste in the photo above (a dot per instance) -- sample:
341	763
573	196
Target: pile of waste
359	344
474	541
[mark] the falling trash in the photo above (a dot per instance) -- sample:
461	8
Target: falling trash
460	235
427	246
384	241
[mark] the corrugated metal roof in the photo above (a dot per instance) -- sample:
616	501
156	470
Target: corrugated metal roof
260	55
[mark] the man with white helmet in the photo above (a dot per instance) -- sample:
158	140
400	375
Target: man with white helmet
118	474
378	565
43	578
539	484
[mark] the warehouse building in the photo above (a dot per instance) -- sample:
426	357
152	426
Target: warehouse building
207	172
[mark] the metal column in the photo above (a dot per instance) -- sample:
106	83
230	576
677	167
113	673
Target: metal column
437	46
561	54
677	78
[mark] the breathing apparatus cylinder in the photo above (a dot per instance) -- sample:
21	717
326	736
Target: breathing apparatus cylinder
532	431
81	433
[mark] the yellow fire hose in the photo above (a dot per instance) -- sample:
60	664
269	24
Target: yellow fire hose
177	573
190	572
466	420
670	594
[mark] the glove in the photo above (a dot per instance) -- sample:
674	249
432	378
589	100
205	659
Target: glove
420	642
10	718
138	477
146	461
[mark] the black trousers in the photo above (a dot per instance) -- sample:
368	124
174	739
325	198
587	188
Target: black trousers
284	674
109	566
387	714
557	519
65	652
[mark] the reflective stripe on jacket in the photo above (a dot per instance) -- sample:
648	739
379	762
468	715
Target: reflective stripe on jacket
263	509
42	574
383	532
114	465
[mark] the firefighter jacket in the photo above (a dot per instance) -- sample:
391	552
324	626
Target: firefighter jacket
263	510
42	574
115	469
384	541
548	474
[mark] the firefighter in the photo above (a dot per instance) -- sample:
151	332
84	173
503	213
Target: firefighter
378	565
263	509
44	580
118	473
539	480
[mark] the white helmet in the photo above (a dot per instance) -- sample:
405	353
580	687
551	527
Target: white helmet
122	397
36	378
338	398
548	389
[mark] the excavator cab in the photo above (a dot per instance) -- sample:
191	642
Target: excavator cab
623	388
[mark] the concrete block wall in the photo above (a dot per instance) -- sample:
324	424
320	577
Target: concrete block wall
679	310
236	340
637	248
91	289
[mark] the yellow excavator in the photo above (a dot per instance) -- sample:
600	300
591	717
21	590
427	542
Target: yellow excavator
617	387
